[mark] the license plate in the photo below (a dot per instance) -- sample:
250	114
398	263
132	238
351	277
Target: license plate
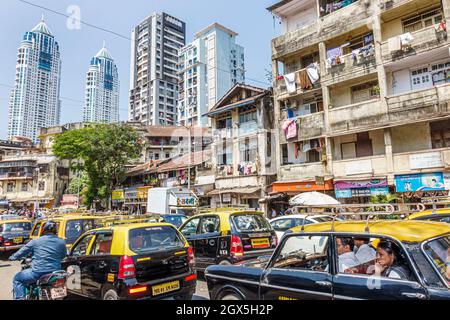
165	287
17	240
260	243
58	293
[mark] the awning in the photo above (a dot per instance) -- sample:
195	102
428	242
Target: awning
248	190
301	186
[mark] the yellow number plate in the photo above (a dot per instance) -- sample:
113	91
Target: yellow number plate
18	240
165	287
260	243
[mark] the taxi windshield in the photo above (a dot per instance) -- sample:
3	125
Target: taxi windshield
15	227
250	223
439	252
75	228
154	239
175	219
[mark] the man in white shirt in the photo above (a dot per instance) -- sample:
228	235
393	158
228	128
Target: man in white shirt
347	258
364	252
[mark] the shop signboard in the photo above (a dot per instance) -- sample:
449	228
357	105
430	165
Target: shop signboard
4	202
446	180
420	182
368	183
425	160
361	192
117	195
187	202
226	197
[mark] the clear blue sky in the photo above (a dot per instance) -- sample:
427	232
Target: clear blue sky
249	18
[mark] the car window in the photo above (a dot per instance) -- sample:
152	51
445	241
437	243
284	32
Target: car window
300	222
16	227
37	226
102	244
209	225
190	228
372	256
75	228
175	220
250	223
440	219
439	253
154	239
80	248
303	253
322	219
283	224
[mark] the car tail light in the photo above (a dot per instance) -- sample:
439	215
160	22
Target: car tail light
2	239
190	277
236	246
126	268
137	289
7	244
191	257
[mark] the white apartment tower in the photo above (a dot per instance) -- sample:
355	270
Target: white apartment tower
102	89
153	76
209	66
34	102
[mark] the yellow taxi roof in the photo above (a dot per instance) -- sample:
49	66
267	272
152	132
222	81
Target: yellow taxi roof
406	231
71	217
227	213
125	227
428	212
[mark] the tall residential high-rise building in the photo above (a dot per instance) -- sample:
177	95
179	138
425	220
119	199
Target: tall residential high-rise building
102	89
34	102
209	66
153	76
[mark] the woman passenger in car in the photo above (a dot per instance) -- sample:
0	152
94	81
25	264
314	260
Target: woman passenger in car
388	263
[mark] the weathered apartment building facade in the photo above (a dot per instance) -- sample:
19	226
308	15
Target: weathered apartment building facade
242	148
361	93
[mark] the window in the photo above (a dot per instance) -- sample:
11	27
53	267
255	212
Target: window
15	227
440	134
362	147
24	186
10	187
438	252
75	228
269	145
102	244
248	150
210	225
303	253
250	222
283	224
225	153
191	227
365	91
422	20
154	239
80	249
37	226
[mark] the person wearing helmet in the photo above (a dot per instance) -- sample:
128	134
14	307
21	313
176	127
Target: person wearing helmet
46	252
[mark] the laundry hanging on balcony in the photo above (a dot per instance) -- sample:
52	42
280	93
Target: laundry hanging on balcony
313	72
303	80
334	56
394	44
361	54
290	82
405	40
290	129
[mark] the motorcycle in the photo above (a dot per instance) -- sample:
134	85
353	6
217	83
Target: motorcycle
50	286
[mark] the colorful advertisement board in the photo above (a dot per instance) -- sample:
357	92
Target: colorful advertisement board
361	192
369	183
420	182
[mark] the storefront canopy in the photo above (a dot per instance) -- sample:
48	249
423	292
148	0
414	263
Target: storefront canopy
312	199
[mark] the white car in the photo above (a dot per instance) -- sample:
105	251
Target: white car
283	223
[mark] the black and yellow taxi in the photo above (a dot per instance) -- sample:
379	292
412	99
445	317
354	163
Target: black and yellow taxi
382	259
439	215
132	261
14	234
70	227
228	236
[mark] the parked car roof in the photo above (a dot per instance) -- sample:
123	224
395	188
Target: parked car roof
403	230
428	213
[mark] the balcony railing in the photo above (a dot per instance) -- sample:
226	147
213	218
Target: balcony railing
219	134
16	175
248	128
366	166
309	127
281	89
351	67
433	159
424	40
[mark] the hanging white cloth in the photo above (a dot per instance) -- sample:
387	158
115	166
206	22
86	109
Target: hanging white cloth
290	82
313	72
406	39
394	44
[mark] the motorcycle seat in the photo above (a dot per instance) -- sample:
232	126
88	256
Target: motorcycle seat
45	279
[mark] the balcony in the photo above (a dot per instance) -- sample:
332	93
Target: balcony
226	133
16	176
427	160
350	68
356	116
247	128
323	29
281	90
306	171
310	127
360	167
231	182
424	40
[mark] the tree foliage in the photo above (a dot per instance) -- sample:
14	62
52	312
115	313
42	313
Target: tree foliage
101	151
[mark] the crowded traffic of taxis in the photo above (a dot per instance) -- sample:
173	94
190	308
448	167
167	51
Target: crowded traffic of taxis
376	252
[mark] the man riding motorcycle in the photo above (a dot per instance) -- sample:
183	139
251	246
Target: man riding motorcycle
47	252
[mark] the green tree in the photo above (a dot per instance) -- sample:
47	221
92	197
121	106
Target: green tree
101	151
385	199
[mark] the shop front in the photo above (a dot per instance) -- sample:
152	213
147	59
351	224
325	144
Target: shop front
135	199
293	188
236	197
360	191
419	187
